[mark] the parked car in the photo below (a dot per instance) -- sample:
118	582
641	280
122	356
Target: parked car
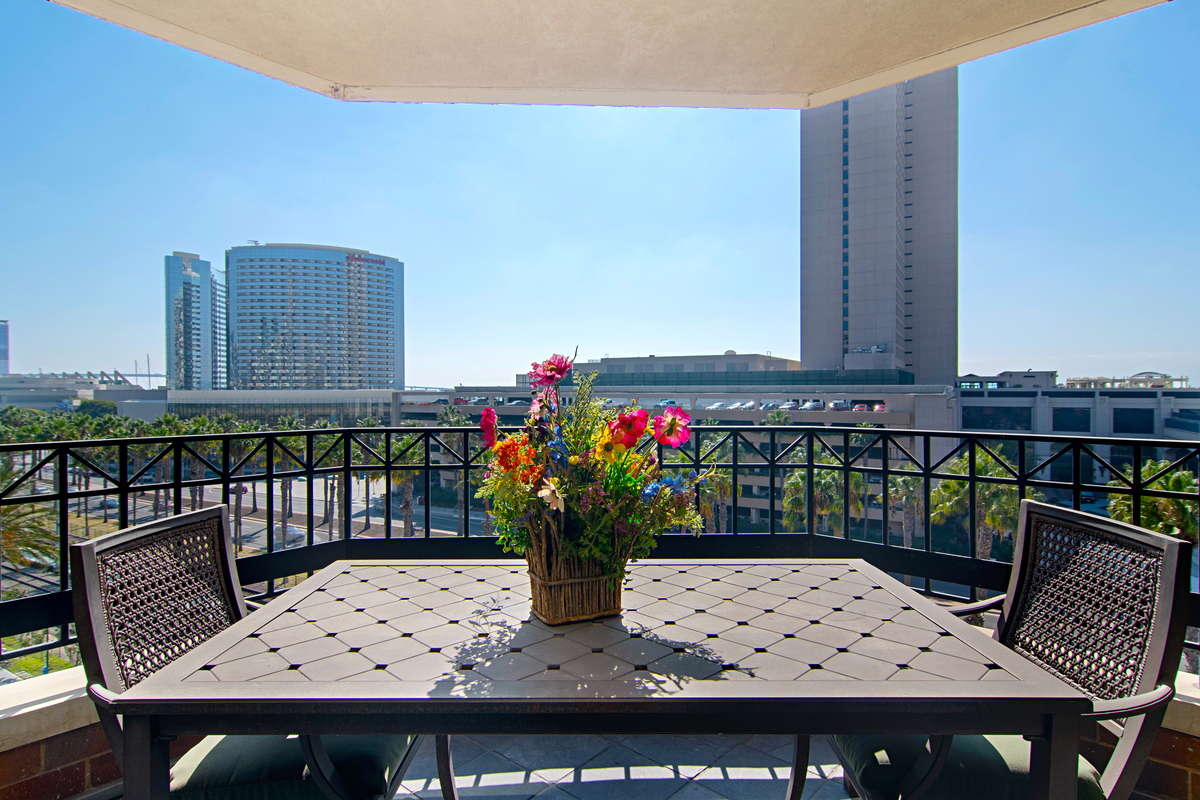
769	406
860	407
813	405
790	405
460	401
839	405
749	405
517	402
665	403
1087	497
715	406
880	408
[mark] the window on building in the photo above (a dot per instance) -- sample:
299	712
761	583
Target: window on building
1133	420
1072	420
845	161
845	202
997	418
845	312
845	297
845	174
845	230
709	367
845	285
845	257
616	368
845	147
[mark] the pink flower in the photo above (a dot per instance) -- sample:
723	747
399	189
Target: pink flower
488	426
550	371
672	427
629	427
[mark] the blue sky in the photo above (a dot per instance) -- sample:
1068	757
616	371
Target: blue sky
527	230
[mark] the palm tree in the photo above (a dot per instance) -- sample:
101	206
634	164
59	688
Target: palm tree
997	506
28	531
1167	515
363	457
166	425
777	417
451	417
405	478
283	463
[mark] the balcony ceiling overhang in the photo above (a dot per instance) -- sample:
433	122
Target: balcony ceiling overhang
690	53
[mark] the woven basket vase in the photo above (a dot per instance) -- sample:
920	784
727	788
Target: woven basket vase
566	589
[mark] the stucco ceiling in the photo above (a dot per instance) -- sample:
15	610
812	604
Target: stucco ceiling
720	53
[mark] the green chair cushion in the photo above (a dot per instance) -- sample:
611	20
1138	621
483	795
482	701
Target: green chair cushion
978	767
273	767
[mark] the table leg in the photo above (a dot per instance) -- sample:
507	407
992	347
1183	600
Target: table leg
146	767
799	767
445	766
1054	760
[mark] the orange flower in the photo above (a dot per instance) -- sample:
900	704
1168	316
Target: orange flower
516	457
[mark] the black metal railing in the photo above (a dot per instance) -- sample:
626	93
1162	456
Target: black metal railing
935	507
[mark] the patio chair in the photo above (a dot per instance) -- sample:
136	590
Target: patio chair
146	595
1100	604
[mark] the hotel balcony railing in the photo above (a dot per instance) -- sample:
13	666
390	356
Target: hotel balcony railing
936	507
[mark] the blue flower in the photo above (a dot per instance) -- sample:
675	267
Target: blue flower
651	491
676	483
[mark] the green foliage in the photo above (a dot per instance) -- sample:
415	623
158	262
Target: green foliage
97	408
568	485
1169	515
777	417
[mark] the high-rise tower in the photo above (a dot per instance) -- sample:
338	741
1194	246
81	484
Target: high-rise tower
195	323
305	316
879	231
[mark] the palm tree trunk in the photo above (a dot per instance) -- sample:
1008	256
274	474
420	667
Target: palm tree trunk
237	515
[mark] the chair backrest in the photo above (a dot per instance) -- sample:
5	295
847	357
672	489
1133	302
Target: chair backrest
1099	603
146	595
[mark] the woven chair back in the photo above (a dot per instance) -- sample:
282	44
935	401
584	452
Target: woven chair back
1092	600
152	593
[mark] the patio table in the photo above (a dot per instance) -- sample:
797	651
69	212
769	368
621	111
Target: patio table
797	646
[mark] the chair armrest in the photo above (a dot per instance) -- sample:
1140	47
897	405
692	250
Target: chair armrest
1131	706
975	608
101	696
253	606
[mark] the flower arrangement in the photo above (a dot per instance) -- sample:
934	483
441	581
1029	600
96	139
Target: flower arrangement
580	495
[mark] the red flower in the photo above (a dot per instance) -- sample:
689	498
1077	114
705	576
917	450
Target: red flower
488	426
628	428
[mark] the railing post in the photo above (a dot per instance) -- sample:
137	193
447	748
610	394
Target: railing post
177	471
971	510
771	487
348	483
310	476
428	443
885	507
123	485
270	529
809	511
846	486
387	484
734	486
1137	484
927	488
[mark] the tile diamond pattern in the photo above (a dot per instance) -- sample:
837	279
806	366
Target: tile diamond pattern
777	622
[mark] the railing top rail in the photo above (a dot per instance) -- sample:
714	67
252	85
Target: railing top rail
814	428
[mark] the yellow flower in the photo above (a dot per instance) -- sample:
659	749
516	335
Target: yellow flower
549	493
609	449
573	460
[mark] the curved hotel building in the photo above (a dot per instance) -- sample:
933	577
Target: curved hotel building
304	316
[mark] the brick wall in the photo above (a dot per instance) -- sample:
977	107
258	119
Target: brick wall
1172	772
58	767
64	765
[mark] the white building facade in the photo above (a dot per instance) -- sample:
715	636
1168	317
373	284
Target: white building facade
305	316
879	231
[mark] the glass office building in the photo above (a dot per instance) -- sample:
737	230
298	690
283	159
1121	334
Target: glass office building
195	323
3	347
305	316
